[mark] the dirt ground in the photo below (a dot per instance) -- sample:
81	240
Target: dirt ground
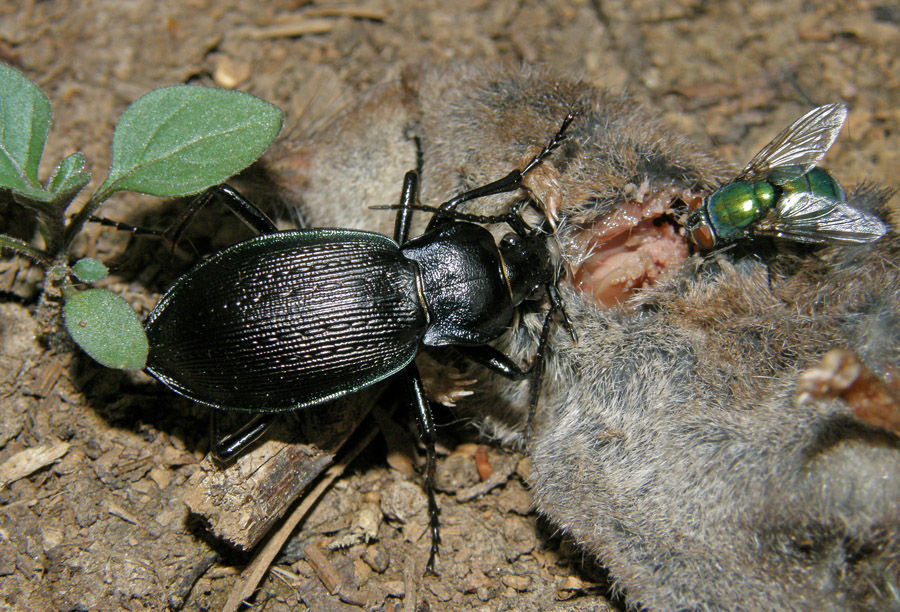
102	525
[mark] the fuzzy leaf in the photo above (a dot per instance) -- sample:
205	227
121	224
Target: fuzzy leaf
25	194
106	328
70	177
24	123
89	270
178	141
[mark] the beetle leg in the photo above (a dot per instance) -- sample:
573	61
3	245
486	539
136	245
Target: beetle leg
246	211
502	364
513	218
226	448
493	360
408	197
426	431
537	366
556	304
125	227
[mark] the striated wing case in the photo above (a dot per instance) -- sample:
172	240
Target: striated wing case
288	320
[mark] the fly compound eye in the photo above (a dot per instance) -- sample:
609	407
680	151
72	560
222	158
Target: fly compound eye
703	236
701	233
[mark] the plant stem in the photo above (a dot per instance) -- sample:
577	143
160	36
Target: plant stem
78	221
23	248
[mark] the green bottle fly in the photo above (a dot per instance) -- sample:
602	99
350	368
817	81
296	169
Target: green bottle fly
783	194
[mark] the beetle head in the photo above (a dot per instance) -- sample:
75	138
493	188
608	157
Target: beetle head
527	264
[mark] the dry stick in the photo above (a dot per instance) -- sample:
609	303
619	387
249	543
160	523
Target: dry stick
253	574
178	599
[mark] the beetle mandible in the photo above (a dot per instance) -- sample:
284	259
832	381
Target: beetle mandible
292	319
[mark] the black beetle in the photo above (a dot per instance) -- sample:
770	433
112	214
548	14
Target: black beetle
292	319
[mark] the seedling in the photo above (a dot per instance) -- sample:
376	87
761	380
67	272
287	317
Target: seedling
172	142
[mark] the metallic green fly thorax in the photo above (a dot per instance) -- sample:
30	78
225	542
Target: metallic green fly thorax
734	209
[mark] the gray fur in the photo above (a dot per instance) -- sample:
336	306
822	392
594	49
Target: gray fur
668	442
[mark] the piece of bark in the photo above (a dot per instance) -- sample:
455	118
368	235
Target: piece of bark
28	461
242	500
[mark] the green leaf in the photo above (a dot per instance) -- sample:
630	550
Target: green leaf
25	194
70	177
58	272
23	248
178	141
89	270
106	327
24	123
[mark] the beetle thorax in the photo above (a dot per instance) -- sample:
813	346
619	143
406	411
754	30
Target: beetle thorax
463	283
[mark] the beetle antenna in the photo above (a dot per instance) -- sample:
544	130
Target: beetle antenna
513	217
511	181
555	142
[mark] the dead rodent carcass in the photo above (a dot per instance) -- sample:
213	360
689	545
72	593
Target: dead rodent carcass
671	441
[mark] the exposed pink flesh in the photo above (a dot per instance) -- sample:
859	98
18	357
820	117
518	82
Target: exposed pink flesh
628	251
628	216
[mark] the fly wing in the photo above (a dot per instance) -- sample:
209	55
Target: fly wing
801	145
806	217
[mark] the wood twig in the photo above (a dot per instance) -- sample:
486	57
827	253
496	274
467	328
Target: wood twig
253	574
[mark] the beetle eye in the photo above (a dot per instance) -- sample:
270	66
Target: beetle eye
509	241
